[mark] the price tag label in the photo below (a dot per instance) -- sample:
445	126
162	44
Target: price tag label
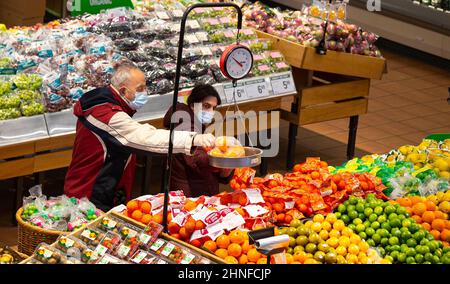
203	36
282	84
193	24
256	88
239	92
192	39
162	15
177	13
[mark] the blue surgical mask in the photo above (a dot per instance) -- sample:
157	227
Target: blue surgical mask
140	99
205	117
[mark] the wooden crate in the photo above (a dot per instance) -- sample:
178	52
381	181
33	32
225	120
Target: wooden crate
333	62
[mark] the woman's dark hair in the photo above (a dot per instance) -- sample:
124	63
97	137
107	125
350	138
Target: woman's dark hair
200	92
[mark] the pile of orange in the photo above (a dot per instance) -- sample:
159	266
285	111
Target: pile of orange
234	248
426	213
141	212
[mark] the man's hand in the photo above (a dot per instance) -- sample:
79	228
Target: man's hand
204	140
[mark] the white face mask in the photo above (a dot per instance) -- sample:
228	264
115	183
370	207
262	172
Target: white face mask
205	117
140	99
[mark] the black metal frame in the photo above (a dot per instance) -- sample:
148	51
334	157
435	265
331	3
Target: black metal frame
168	171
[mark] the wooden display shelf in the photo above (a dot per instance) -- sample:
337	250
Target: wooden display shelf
333	62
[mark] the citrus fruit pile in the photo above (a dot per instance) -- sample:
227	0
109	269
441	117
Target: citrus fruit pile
387	225
327	240
227	147
425	212
234	248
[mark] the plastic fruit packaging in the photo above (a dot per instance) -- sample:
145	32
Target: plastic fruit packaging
228	147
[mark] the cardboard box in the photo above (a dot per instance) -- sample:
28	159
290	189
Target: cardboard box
11	19
26	9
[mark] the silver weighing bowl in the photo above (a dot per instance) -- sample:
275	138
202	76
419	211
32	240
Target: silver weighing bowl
252	159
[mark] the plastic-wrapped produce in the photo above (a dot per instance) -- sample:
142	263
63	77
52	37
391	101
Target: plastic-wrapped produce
126	44
145	34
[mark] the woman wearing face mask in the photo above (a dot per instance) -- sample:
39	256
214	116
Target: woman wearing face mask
193	174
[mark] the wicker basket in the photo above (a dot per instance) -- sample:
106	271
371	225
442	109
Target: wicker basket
31	236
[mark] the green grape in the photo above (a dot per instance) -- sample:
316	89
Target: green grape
32	109
28	82
9	102
5	88
28	95
9	114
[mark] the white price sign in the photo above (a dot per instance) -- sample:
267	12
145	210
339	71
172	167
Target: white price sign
256	88
239	91
282	84
193	24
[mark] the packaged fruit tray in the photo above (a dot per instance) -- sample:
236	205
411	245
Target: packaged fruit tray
112	236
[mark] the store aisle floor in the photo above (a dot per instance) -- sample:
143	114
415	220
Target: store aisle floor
407	105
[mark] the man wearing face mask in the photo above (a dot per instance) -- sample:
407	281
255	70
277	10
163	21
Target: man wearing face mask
107	138
192	173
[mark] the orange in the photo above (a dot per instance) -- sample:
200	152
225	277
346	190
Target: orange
405	202
223	241
278	207
146	207
146	218
419	208
231	260
439	215
199	225
253	255
426	226
243	259
280	218
445	235
287	219
300	256
438	224
184	234
262	261
428	217
169	217
234	250
415	199
210	245
240	211
289	258
137	215
132	205
190	226
196	243
409	211
158	218
173	228
418	219
237	237
436	234
447	224
176	236
245	246
190	205
222	253
430	205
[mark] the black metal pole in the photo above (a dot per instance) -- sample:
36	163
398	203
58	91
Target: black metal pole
167	173
352	129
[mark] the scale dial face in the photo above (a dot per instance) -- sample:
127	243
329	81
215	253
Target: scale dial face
236	62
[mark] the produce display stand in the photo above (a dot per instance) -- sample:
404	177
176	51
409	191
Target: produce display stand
164	236
331	86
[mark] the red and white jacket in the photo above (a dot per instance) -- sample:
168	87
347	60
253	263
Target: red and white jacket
107	138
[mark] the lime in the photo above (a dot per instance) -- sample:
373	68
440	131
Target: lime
375	225
357	221
435	259
432	246
429	237
368	212
393	241
324	247
424	250
303	231
360	228
418	236
338	214
370	231
401	210
378	210
389	210
384	241
414	227
373	205
412	243
290	250
302	240
386	226
395	223
295	223
361	216
310	248
395	248
367	223
411	252
445	259
404	248
363	235
292	242
373	217
428	257
406	223
392	216
298	249
353	214
341	208
406	236
382	251
352	227
396	232
292	232
401	257
426	262
350	208
387	248
330	258
359	207
389	258
376	238
346	218
319	256
346	203
401	217
384	233
410	260
446	250
370	242
394	254
353	200
382	219
314	238
419	258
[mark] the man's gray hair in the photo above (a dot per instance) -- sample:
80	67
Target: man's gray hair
123	73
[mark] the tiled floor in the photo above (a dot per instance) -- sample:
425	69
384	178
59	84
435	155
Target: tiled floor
407	105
